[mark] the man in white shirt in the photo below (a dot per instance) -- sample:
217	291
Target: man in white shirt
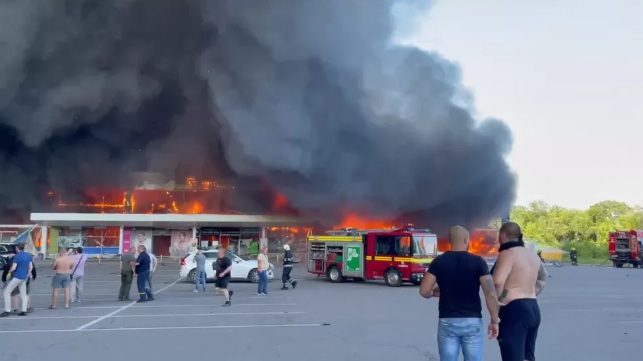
153	263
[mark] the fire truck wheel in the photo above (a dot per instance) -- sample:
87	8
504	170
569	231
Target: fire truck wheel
334	274
393	278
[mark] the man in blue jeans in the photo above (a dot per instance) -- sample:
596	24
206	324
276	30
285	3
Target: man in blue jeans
459	275
142	270
262	270
199	259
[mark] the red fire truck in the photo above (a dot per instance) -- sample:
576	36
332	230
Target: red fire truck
625	247
393	255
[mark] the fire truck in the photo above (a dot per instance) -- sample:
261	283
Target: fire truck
625	247
393	255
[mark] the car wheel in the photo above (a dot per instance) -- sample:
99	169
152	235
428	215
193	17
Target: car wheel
192	276
3	263
393	278
253	276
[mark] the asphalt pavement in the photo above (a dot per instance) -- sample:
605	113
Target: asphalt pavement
589	313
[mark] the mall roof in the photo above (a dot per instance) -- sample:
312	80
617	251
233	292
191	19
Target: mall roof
163	220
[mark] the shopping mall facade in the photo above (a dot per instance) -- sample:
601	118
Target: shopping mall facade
171	235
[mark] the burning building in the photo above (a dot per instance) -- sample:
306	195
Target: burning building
239	107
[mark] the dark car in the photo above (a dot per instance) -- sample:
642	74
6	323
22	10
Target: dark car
6	251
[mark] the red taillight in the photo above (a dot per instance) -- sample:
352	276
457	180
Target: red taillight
183	261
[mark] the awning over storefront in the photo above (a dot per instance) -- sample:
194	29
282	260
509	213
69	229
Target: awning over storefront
163	220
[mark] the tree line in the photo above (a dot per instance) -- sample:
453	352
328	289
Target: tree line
587	230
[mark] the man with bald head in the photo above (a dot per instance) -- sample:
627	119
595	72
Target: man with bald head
519	276
459	275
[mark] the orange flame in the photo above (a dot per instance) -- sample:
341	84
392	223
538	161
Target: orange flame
353	220
482	242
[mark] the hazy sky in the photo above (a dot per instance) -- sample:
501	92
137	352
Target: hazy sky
567	76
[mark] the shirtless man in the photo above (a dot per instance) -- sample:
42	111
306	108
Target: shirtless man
519	277
63	266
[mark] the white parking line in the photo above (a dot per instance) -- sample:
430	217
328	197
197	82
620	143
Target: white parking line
168	328
189	306
122	308
165	315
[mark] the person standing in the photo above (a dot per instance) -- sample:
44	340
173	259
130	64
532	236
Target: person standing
287	268
262	271
20	272
78	275
142	269
519	276
61	280
199	259
127	274
223	267
16	292
459	276
153	263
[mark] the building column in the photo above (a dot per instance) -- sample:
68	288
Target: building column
263	240
194	240
43	241
120	241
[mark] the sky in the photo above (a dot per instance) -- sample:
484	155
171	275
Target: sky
566	76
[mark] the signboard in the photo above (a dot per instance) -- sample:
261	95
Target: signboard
353	259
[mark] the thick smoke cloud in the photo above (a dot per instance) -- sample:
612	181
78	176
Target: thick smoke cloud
310	97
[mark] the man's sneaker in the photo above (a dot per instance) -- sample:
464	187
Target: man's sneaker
259	293
150	299
227	304
5	314
22	314
284	288
265	293
294	284
142	300
196	291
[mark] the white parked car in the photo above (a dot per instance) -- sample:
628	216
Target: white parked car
243	268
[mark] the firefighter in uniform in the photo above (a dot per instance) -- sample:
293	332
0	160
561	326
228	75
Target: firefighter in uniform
288	263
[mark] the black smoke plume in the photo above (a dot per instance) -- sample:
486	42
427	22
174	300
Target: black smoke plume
310	97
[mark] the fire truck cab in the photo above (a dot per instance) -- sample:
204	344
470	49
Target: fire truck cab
625	247
393	255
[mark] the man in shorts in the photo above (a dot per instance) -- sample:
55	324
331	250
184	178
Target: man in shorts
223	266
63	265
519	276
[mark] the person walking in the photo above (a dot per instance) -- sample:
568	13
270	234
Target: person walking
459	276
20	272
16	292
199	259
223	266
127	274
519	276
63	266
262	271
153	263
142	269
287	268
78	275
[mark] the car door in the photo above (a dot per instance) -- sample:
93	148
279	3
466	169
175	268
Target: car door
239	267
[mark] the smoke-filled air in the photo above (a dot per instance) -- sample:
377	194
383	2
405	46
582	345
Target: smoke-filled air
309	99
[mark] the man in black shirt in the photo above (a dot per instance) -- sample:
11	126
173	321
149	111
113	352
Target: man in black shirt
223	266
142	270
459	275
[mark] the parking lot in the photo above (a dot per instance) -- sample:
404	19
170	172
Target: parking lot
589	313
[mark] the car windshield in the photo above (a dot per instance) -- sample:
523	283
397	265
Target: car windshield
424	244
